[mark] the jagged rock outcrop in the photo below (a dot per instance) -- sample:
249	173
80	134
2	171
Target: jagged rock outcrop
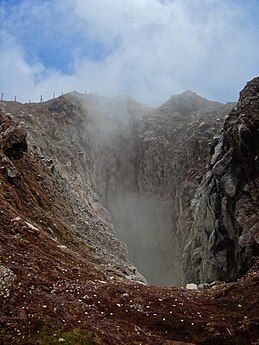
223	239
13	138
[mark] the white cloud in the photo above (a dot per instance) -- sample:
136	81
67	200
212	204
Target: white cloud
155	48
16	76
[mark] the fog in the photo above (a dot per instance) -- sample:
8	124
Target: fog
145	225
142	221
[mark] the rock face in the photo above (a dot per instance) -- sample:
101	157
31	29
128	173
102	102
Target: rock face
140	167
223	239
164	181
127	171
175	147
57	136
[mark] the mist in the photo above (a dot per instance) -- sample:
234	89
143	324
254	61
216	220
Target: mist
142	220
145	225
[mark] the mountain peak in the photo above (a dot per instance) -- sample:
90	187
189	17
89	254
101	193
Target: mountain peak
188	93
187	102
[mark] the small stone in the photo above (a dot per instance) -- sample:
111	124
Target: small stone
191	286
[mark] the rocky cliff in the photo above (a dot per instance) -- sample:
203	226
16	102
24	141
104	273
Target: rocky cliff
80	171
223	238
131	173
175	147
68	142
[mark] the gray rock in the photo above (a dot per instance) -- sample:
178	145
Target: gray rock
7	278
222	166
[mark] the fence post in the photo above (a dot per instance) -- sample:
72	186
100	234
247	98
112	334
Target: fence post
2	96
15	98
53	95
41	99
62	93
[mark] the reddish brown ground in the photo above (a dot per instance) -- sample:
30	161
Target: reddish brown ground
62	290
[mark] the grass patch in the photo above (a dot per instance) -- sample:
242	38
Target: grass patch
74	337
46	335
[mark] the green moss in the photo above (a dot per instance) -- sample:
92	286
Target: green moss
35	200
46	335
74	337
34	196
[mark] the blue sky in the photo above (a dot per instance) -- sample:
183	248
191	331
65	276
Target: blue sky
149	49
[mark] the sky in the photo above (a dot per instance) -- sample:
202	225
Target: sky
148	49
